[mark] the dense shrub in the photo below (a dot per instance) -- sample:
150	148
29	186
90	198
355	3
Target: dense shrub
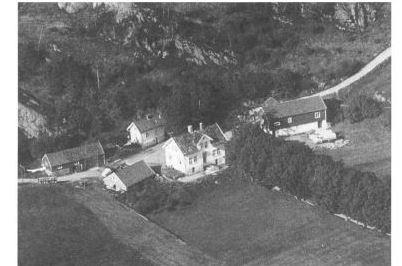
348	68
296	169
361	107
334	110
152	196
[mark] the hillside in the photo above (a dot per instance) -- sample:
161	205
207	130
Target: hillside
101	65
54	230
245	224
370	147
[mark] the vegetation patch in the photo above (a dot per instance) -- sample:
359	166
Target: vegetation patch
239	222
53	229
295	168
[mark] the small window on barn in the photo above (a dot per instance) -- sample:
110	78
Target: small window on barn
277	124
317	115
193	169
60	167
195	159
146	134
218	151
190	160
290	120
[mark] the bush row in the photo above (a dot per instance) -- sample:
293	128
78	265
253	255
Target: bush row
296	169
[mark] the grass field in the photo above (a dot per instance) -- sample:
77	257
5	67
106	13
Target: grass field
370	147
156	244
55	230
240	223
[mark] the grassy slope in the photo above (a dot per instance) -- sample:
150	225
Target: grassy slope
370	148
155	243
242	223
54	230
379	80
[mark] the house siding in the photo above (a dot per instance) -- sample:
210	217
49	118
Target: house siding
148	138
300	119
176	159
113	182
71	167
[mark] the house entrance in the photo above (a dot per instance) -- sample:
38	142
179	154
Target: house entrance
204	157
319	124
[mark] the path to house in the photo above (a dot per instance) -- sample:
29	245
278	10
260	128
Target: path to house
379	59
91	173
153	156
154	242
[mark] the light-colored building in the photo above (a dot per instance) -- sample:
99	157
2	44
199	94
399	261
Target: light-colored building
194	150
124	178
148	131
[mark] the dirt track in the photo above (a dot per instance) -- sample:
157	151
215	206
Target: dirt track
154	242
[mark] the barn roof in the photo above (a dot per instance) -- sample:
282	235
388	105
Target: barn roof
135	173
147	124
75	154
187	142
296	107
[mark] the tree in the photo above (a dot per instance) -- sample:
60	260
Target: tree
362	107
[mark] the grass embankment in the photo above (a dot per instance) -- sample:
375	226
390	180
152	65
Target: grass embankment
53	229
239	223
370	147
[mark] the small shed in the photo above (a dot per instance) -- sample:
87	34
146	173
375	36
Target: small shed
124	178
74	160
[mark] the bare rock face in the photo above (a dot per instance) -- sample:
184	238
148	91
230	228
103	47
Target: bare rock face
355	15
31	121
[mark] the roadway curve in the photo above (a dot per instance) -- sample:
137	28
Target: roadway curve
379	59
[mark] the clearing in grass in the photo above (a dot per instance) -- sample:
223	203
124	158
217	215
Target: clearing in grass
239	223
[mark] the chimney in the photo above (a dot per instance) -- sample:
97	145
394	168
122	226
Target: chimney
190	129
201	127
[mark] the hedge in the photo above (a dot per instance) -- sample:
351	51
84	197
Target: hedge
297	169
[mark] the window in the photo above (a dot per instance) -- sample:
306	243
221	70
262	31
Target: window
146	134
190	160
214	152
193	169
195	159
60	167
317	115
290	120
218	151
277	124
206	145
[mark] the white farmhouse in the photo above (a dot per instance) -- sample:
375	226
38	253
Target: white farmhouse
147	131
193	151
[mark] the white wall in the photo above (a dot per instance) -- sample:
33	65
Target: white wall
135	134
112	180
297	129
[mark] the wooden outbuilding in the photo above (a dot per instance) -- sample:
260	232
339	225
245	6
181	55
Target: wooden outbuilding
74	160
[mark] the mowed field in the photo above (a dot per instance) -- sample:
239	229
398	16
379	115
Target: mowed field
55	230
369	149
239	223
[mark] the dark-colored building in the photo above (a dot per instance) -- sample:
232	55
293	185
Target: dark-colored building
74	160
296	116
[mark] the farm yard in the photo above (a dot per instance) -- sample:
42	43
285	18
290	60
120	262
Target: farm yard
239	223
